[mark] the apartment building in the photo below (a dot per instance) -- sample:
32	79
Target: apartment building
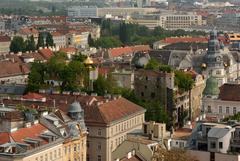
13	72
124	78
55	136
108	119
93	11
5	42
215	141
141	144
59	40
77	39
223	101
180	21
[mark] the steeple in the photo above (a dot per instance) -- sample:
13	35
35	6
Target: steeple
213	58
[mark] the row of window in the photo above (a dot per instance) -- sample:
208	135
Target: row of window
213	145
99	158
223	110
127	124
50	156
75	147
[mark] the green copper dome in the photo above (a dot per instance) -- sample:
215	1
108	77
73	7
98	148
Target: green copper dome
211	88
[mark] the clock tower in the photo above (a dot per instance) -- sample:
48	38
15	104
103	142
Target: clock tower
213	60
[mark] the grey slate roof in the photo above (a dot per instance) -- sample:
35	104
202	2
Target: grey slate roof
218	132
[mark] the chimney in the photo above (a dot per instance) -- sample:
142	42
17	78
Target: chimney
13	60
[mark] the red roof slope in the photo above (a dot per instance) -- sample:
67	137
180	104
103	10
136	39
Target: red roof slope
4	38
117	109
46	53
10	69
29	132
230	92
4	138
32	96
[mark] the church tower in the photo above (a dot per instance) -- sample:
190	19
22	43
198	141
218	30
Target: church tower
213	60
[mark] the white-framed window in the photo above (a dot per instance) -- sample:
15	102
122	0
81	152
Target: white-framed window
220	109
227	110
234	110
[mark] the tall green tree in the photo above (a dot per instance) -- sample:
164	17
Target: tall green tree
36	76
17	45
49	40
41	42
30	44
90	40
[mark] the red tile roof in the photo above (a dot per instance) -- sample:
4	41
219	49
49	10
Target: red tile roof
9	68
5	38
104	70
32	96
69	50
29	132
28	31
56	34
18	136
117	109
116	52
4	137
46	53
230	92
171	40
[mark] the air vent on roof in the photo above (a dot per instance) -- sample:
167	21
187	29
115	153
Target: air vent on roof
76	93
66	92
28	124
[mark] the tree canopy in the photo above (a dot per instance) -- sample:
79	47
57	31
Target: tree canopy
17	45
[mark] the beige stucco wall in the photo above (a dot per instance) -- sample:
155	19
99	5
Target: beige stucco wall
216	103
111	136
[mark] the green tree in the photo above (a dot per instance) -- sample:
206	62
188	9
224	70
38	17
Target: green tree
100	86
36	76
90	40
106	28
107	42
79	57
40	41
123	33
30	44
155	112
49	40
153	64
183	80
17	45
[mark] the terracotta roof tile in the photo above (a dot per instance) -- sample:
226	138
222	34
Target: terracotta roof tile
32	96
4	137
170	40
117	109
5	38
69	50
29	132
9	68
56	34
46	53
28	31
230	92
